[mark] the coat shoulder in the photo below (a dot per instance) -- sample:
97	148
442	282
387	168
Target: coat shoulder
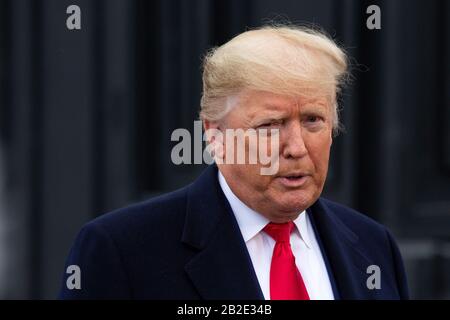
353	218
151	216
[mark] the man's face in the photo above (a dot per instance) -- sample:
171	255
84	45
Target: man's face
305	137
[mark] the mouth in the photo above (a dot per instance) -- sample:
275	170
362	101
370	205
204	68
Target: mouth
293	180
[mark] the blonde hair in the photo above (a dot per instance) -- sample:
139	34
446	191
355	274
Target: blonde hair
289	60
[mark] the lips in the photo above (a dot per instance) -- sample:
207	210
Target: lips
294	179
294	176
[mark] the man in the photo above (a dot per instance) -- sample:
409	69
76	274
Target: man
236	233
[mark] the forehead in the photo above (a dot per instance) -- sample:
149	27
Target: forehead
259	102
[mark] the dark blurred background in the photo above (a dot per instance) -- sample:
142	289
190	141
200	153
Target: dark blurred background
86	117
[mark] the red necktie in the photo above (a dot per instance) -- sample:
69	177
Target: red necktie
286	282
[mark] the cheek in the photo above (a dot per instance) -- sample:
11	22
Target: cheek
319	153
256	183
250	174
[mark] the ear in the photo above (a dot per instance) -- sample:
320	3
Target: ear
331	137
208	125
215	139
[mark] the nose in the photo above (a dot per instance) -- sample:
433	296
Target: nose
294	144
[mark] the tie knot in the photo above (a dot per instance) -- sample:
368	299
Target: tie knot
280	232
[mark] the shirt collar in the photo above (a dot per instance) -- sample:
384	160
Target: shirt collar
302	226
251	222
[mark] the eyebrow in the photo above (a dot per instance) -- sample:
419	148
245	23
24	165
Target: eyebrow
268	115
272	111
269	109
315	106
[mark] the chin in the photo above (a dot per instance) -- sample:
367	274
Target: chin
295	201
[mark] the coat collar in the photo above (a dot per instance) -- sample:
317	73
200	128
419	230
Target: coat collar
347	261
222	267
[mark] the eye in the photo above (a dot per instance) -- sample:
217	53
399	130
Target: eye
313	119
270	124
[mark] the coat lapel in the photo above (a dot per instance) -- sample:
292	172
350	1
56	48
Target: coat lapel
222	268
347	261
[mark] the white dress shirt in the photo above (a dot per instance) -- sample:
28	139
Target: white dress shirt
308	256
